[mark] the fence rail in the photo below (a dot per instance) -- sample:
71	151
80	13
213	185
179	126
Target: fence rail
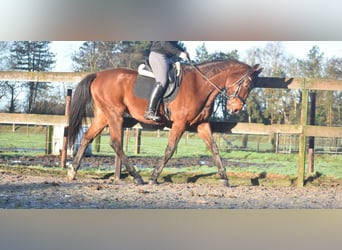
239	128
33	119
263	82
302	129
25	76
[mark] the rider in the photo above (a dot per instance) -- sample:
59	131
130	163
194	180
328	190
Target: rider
160	54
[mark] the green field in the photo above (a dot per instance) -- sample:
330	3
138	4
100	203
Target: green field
30	140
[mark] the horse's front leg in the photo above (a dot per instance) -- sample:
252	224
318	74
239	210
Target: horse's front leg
204	131
174	137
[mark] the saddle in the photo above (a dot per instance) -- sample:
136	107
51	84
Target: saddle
145	81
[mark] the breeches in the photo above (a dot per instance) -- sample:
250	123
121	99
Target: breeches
160	66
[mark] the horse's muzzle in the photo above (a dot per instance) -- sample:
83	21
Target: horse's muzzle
234	106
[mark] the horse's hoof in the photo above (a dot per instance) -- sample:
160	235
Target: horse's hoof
71	175
152	182
138	181
224	183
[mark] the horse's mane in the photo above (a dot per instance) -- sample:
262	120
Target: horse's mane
213	67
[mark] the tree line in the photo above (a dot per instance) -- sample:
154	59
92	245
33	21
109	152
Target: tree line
268	106
281	106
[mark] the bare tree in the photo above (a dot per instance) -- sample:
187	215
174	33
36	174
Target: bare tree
4	50
333	70
276	104
99	55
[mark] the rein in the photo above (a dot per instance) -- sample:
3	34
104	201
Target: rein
222	91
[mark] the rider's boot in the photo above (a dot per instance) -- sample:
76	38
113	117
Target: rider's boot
156	94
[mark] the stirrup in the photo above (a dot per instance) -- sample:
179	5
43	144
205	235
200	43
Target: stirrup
150	115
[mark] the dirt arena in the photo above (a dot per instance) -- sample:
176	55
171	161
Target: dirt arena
31	189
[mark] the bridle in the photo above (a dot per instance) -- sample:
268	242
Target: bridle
224	91
239	83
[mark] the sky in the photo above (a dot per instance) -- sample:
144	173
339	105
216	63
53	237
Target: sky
297	49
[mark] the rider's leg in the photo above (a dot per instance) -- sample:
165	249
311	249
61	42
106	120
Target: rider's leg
160	66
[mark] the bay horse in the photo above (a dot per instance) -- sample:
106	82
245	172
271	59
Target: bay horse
112	95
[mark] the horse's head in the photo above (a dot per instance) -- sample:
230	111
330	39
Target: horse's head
238	89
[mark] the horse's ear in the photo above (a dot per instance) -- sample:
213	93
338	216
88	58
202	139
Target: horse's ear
257	69
256	66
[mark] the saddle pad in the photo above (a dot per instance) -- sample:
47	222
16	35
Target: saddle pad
143	87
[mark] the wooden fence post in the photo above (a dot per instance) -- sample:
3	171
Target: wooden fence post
48	145
64	150
311	153
97	143
302	138
244	141
277	143
127	131
137	140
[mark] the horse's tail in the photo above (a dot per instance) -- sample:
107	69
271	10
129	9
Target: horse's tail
78	107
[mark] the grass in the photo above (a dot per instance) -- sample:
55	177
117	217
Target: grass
31	141
28	140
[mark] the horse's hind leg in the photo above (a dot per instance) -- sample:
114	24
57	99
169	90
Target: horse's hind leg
96	127
115	128
204	131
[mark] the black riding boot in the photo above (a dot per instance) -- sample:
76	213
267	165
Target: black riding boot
156	94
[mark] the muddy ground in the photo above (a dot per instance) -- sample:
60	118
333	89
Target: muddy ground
25	187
